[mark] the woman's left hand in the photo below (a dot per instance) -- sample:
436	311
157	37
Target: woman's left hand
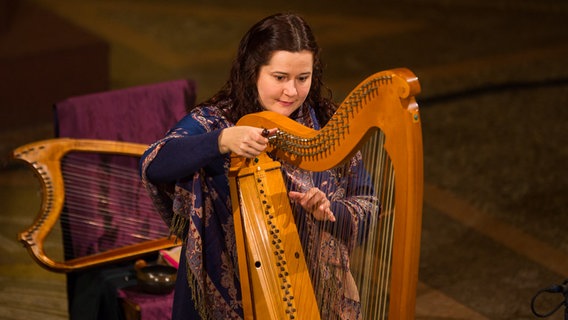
315	202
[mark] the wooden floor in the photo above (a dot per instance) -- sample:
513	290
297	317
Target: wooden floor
494	107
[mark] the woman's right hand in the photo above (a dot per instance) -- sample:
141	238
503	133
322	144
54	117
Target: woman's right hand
244	141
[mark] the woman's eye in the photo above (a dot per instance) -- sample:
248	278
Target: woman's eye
280	78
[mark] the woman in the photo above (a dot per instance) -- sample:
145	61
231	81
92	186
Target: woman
277	68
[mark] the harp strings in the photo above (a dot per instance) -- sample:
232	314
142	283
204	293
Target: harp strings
304	225
106	205
370	261
374	254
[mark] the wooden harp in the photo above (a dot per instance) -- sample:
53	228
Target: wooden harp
90	189
380	119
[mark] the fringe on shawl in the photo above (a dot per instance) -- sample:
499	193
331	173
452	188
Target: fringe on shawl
178	228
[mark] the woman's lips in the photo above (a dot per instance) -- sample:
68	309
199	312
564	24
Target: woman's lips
286	103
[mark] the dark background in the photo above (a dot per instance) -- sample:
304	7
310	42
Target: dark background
494	104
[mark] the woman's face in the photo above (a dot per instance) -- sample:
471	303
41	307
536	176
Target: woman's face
284	83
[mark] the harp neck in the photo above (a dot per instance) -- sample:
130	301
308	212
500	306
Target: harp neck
367	107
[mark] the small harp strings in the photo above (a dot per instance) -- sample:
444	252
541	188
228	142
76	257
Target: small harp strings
372	259
104	194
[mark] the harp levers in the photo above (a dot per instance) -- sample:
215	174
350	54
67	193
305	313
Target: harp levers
378	123
93	189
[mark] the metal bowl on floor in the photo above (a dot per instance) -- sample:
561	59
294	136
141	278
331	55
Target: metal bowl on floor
155	279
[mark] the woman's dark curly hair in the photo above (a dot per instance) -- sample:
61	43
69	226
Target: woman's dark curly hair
283	31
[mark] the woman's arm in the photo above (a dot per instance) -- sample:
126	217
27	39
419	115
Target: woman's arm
183	156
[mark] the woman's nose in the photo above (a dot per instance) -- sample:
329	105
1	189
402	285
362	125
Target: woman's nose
290	88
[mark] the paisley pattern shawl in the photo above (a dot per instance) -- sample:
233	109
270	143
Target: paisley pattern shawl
198	210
